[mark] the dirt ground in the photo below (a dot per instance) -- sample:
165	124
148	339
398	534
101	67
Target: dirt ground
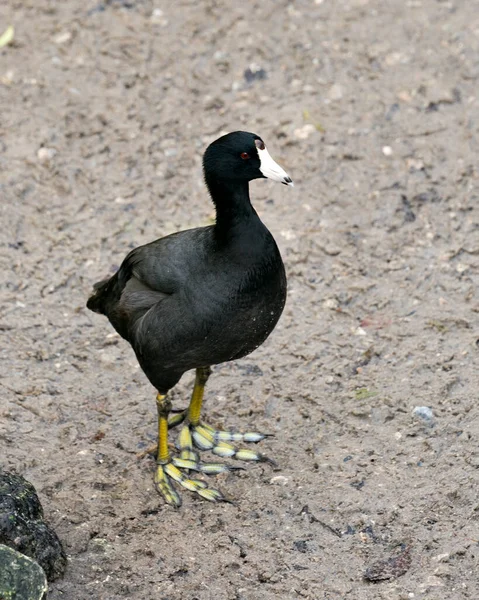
372	108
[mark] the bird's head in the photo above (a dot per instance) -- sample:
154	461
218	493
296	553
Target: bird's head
241	156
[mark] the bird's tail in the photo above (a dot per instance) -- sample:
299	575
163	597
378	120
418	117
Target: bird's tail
97	301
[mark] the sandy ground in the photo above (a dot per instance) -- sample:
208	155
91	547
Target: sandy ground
372	107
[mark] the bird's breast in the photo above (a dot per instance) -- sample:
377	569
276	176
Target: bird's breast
239	315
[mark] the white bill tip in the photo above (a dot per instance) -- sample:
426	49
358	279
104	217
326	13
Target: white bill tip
271	169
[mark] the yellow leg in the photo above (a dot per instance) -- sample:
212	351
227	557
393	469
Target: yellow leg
194	409
168	469
162	481
164	407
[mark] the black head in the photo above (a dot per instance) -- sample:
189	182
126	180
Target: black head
240	157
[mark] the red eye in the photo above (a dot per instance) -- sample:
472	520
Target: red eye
244	155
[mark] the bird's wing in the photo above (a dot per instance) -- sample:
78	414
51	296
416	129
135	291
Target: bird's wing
166	264
148	275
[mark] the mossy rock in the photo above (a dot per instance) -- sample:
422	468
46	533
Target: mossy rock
21	578
22	527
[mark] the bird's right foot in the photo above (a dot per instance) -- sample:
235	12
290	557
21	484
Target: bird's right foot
178	469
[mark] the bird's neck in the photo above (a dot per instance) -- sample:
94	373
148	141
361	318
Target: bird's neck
232	203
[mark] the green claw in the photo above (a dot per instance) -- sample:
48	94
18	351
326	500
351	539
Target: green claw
213	468
184	439
176	419
228	436
211	494
189	455
246	454
224	450
202	438
194	485
165	488
253	437
207	468
184	463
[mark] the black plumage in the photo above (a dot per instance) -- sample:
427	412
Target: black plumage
206	295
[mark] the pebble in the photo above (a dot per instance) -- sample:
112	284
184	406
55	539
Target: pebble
331	303
303	133
107	358
279	480
63	37
254	73
45	155
425	413
432	582
442	557
8	78
414	164
335	92
360	331
404	96
396	58
387	150
158	17
288	234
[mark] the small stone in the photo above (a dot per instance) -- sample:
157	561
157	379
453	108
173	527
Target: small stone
158	17
414	164
335	92
404	96
387	150
396	58
279	480
424	413
63	37
107	358
432	582
442	557
288	234
254	73
8	78
303	133
390	568
360	331
331	303
45	155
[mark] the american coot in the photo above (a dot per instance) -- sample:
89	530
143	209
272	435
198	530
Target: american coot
198	298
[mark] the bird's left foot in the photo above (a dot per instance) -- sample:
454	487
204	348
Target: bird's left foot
205	437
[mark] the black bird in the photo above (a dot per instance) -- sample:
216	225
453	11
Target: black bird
201	297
